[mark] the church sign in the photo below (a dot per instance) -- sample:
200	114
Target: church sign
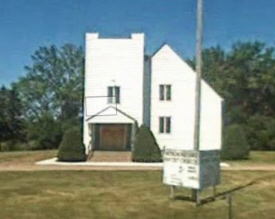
191	169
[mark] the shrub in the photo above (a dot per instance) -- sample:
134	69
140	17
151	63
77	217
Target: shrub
145	146
5	146
46	132
235	145
261	132
71	148
17	146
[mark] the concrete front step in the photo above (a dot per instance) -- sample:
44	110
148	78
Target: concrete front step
111	156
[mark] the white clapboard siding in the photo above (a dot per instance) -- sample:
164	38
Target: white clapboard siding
114	62
168	68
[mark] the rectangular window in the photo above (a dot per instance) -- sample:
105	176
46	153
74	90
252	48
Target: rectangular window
164	124
117	94
165	92
161	124
161	92
168	124
168	92
110	95
113	94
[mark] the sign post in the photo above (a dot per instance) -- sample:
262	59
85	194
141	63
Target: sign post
172	191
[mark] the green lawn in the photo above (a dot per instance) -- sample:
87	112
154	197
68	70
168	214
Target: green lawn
125	194
256	158
262	157
26	156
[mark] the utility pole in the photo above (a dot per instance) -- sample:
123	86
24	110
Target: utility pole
199	74
199	41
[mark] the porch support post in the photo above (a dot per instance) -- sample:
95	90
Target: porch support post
133	131
92	136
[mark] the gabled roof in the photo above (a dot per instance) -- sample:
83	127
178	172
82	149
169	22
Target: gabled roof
158	49
164	45
111	114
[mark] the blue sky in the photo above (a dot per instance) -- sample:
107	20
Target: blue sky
27	24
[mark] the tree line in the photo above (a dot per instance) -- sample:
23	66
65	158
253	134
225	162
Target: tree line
245	77
36	110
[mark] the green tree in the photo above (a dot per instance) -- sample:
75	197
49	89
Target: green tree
214	64
250	78
11	120
52	92
245	77
54	83
46	132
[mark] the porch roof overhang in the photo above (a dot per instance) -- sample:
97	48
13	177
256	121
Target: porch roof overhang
111	114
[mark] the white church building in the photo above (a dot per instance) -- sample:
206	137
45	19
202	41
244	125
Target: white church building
124	89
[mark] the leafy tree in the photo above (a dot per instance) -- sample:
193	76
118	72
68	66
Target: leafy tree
52	92
11	121
46	132
214	64
244	77
249	64
54	83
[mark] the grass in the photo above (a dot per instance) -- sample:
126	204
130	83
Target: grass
26	156
125	194
256	158
262	157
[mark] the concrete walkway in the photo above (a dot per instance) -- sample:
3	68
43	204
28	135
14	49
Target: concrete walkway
53	161
52	165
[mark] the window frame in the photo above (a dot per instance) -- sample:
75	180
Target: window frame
117	94
110	94
113	93
165	124
161	92
168	125
168	92
165	92
161	125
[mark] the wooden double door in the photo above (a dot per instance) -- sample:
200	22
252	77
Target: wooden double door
114	137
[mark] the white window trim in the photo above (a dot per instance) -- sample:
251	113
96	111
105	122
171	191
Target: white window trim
165	88
112	98
165	119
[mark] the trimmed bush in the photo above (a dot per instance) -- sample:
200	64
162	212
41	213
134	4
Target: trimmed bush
235	146
145	146
71	148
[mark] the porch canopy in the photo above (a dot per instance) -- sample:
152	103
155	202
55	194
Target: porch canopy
111	130
109	115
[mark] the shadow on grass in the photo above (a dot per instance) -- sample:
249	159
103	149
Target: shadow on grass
220	195
223	195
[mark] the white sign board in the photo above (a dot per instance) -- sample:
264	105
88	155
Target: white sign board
191	169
